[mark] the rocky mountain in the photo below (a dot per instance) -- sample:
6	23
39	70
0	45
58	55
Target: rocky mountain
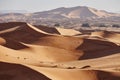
79	12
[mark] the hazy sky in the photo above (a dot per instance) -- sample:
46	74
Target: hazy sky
41	5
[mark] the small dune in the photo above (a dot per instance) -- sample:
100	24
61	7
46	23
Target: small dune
68	32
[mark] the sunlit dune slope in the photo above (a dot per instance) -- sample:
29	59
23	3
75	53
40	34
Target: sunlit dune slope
77	74
68	32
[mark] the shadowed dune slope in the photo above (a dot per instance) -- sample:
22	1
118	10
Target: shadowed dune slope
13	44
111	36
24	34
4	26
97	48
19	72
47	29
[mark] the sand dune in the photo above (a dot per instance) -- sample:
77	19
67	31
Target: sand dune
111	36
68	32
9	30
59	41
34	54
77	74
52	54
48	29
41	73
97	48
2	41
102	63
9	25
25	33
30	52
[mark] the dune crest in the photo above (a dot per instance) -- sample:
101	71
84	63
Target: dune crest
2	41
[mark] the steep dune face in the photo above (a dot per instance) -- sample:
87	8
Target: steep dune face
19	72
48	29
9	25
30	52
25	33
96	48
113	37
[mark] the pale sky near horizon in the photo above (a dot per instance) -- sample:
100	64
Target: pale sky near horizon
43	5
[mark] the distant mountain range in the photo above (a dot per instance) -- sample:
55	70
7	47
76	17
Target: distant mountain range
79	12
13	11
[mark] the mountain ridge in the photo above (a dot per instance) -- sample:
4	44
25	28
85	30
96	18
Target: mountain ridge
81	12
78	12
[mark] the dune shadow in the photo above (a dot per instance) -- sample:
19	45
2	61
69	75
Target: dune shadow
107	76
18	70
48	29
6	77
96	48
